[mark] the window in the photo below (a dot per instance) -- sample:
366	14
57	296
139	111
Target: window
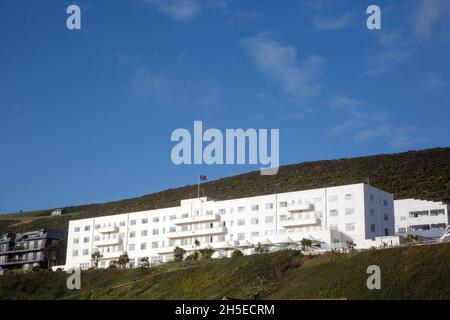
172	217
255	220
255	207
437	212
372	197
172	229
386	217
221	211
131	247
155	244
144	221
144	233
85	252
241	209
155	232
319	214
349	211
317	200
75	253
122	223
403	218
417	214
385	203
255	234
97	226
132	234
76	240
349	196
96	238
185	215
155	219
372	212
241	222
283	204
372	228
334	213
87	228
143	246
402	230
132	222
333	198
269	206
86	239
209	212
269	219
350	227
386	232
76	229
334	227
241	236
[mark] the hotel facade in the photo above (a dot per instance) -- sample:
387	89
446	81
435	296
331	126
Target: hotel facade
426	219
332	218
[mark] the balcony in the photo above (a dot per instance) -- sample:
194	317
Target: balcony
298	207
108	229
196	232
111	255
197	219
108	242
287	223
21	249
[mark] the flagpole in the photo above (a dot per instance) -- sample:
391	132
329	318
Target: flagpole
198	187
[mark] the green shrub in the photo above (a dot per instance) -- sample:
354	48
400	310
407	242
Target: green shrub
237	253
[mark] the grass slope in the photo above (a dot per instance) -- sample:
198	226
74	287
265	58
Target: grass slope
407	273
421	174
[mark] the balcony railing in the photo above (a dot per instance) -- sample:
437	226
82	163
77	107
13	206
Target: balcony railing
196	232
299	222
108	242
108	229
197	219
21	249
296	207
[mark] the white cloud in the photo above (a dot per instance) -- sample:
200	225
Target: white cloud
150	87
428	16
322	23
363	125
393	50
297	77
186	10
178	10
434	81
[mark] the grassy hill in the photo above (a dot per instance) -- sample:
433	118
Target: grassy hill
421	174
419	272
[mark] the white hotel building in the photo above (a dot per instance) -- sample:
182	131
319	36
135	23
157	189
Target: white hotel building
422	218
330	217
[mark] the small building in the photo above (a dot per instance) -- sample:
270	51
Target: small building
422	218
25	250
57	212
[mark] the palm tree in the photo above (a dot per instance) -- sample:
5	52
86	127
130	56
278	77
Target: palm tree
178	253
306	243
123	260
351	245
196	244
95	258
144	262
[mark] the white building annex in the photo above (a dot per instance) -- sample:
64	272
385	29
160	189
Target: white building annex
422	218
330	217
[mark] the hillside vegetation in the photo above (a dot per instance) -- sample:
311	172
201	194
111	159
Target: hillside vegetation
420	272
419	174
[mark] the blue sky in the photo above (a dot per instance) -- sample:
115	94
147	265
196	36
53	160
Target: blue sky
86	116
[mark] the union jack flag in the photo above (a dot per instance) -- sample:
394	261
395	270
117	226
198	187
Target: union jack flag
203	178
